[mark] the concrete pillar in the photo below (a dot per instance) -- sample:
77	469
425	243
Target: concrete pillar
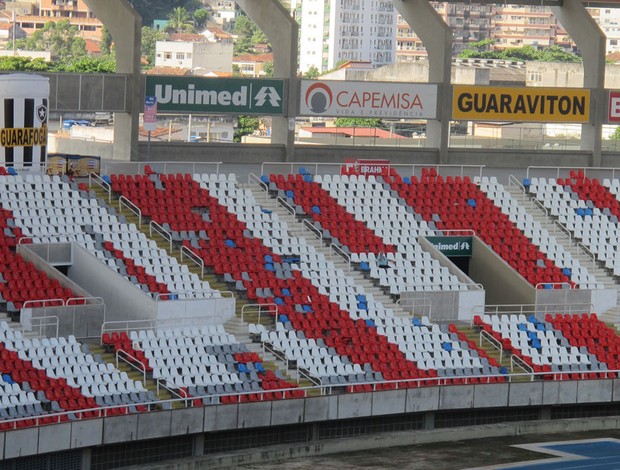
282	30
437	38
591	40
125	26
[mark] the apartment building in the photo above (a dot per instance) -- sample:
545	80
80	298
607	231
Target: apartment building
332	31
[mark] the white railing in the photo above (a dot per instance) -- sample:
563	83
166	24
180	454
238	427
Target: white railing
132	361
99	181
286	205
253	179
259	309
154	226
493	342
521	364
195	258
340	252
42	323
116	166
317	168
306	224
123	201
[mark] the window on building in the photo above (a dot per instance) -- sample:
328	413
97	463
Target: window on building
181	55
167	55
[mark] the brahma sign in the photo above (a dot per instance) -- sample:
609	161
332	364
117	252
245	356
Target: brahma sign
368	99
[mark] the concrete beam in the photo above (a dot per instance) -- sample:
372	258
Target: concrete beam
283	31
591	40
125	26
437	38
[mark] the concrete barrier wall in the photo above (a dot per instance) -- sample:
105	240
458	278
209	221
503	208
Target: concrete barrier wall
503	284
80	434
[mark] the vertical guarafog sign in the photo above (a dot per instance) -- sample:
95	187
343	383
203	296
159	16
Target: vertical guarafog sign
23	120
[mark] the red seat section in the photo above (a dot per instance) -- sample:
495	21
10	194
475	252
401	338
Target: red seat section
586	330
227	251
591	190
458	204
321	207
22	281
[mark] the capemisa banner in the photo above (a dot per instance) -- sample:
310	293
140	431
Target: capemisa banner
368	99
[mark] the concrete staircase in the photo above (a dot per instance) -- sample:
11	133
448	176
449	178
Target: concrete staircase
296	228
546	221
134	374
473	335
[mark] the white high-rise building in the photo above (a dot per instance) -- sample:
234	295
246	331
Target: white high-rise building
332	31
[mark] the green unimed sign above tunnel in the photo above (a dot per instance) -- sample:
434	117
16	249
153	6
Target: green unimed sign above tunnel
453	246
216	95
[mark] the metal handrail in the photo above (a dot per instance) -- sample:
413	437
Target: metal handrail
27	303
252	178
123	201
106	326
97	300
94	177
142	368
286	205
338	166
520	363
183	394
558	169
260	309
493	342
541	285
195	258
161	231
537	310
588	252
307	224
340	252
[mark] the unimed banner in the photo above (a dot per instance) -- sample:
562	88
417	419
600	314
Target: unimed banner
368	99
481	103
216	95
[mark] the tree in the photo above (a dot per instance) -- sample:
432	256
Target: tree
23	64
248	35
91	64
268	69
200	17
312	73
106	41
481	50
616	134
179	20
359	122
246	125
150	36
59	37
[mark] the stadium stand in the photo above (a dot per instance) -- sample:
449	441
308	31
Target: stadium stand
587	209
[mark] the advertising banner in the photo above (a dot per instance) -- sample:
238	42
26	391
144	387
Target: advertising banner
217	95
614	107
150	113
482	103
23	119
453	246
368	99
364	167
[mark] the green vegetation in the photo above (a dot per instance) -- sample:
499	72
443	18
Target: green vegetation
60	38
246	125
151	10
149	37
483	50
359	122
248	35
88	64
312	73
179	20
616	134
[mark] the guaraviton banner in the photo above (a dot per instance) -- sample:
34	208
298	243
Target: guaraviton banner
367	99
482	103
